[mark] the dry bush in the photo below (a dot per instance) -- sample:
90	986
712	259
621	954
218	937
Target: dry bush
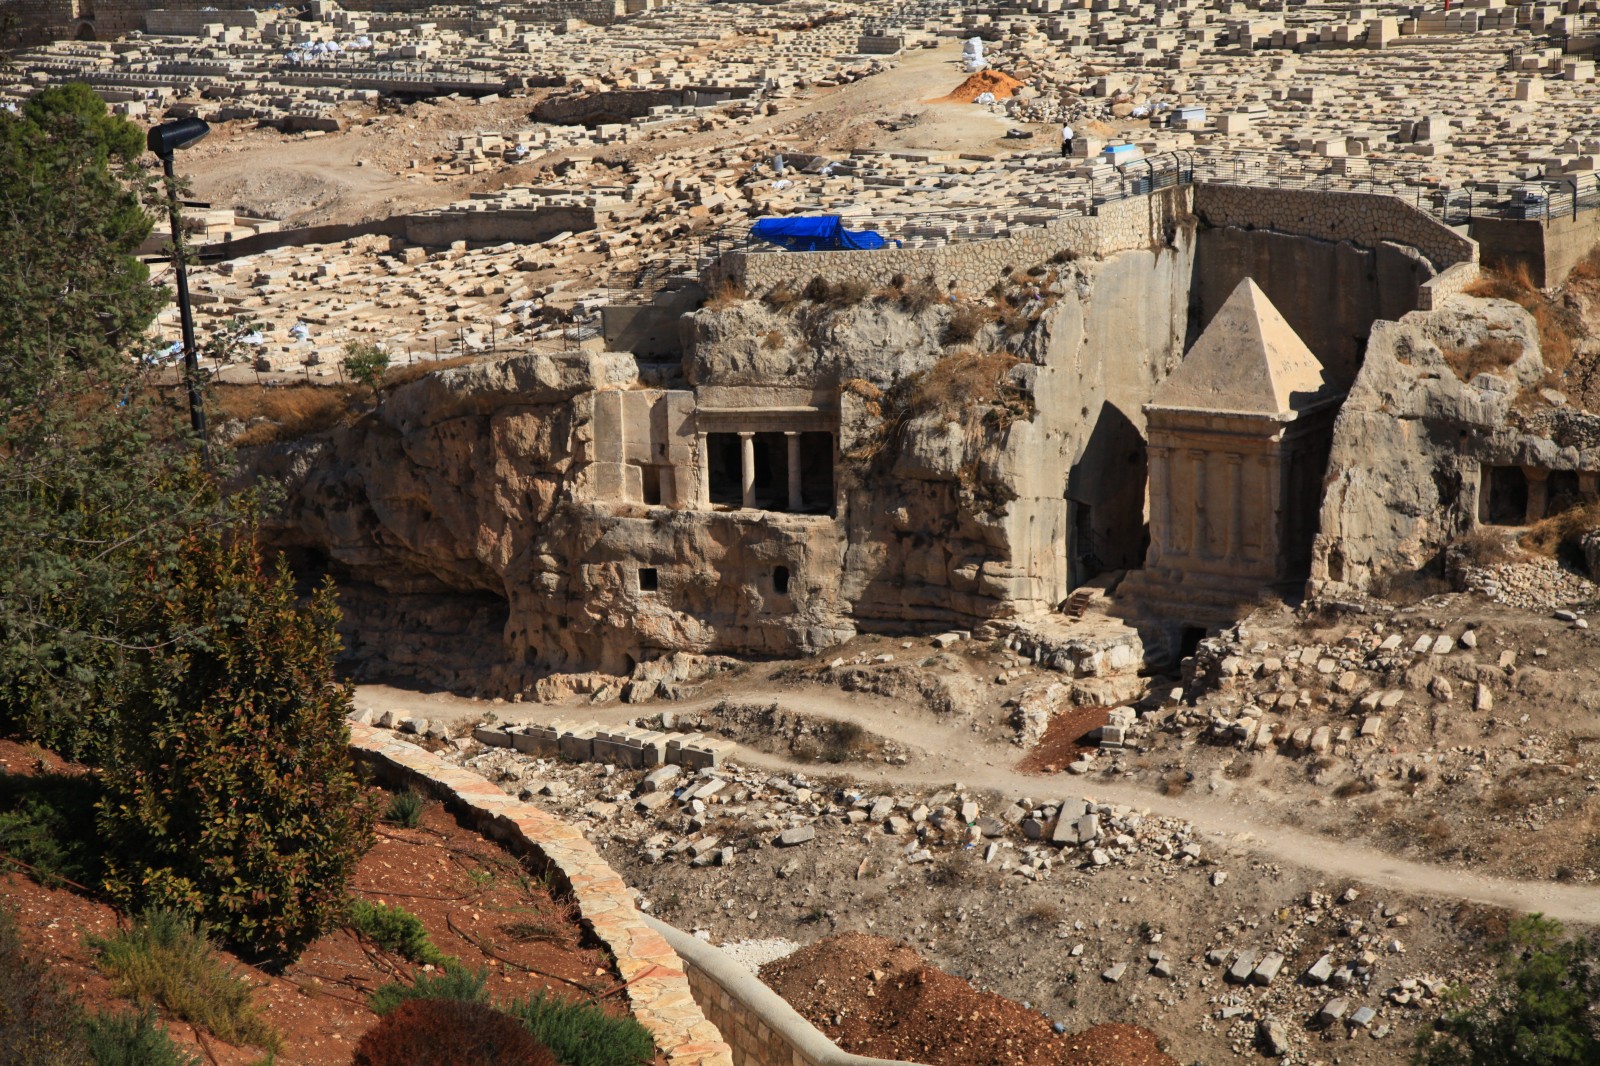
1356	786
1513	284
773	340
781	297
963	380
849	293
1484	547
967	322
1481	923
726	294
1489	356
843	294
916	297
1559	327
1553	533
1042	915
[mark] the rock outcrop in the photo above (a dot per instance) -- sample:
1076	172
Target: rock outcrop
1413	438
506	520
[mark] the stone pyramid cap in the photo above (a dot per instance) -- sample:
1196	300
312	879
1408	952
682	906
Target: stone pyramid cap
1247	361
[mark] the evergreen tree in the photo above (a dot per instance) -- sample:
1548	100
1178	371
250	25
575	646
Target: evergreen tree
91	488
1542	1012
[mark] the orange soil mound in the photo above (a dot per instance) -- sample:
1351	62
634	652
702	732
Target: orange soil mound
1004	86
876	997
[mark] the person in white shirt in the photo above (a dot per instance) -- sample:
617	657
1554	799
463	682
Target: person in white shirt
1066	140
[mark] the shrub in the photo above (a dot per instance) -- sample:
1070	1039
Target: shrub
396	929
442	1032
229	790
132	1038
166	957
38	1017
453	982
583	1034
366	363
46	821
1489	356
404	810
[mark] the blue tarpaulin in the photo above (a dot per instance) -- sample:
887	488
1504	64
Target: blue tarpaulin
815	233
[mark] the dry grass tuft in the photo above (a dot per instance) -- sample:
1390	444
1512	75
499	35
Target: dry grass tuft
1488	356
291	411
1550	535
405	375
1559	327
726	294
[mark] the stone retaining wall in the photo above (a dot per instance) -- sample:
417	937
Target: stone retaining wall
1365	219
762	1028
1452	282
970	267
658	989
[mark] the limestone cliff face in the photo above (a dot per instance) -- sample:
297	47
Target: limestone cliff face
1413	439
554	513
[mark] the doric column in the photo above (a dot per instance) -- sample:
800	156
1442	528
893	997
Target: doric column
1235	538
1272	530
703	490
793	440
1199	542
1161	534
1538	493
747	467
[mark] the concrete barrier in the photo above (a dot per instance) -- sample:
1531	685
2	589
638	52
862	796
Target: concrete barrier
759	1025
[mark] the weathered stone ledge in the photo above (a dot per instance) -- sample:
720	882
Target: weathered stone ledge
657	988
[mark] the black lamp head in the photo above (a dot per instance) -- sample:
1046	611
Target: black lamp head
168	137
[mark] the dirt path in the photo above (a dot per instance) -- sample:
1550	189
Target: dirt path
952	754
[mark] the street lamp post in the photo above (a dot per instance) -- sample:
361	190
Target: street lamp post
164	140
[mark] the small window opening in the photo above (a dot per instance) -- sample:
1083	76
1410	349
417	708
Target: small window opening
1190	641
652	486
780	580
649	579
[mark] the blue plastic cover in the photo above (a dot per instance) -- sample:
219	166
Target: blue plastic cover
815	233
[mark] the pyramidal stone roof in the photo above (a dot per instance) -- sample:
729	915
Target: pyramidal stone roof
1247	361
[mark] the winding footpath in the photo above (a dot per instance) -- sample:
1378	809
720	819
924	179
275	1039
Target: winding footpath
948	754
